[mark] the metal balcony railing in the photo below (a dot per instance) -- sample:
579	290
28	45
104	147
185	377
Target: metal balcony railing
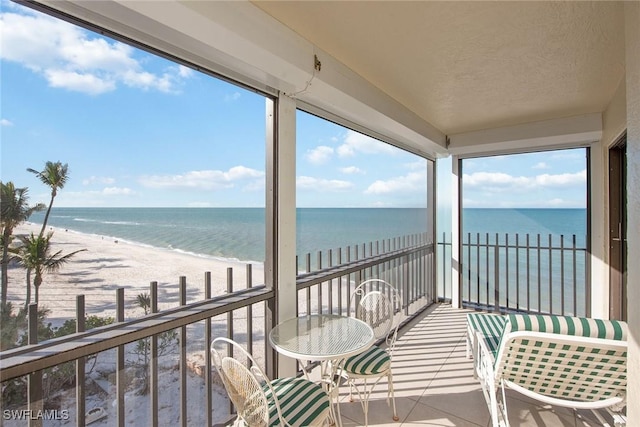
529	273
158	349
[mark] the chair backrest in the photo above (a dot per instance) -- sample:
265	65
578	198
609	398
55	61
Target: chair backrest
377	303
244	384
566	358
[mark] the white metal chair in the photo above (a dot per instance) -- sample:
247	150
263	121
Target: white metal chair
377	303
579	363
260	402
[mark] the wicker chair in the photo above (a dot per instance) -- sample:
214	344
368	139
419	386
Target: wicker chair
377	303
294	402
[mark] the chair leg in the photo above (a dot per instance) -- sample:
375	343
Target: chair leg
503	405
393	396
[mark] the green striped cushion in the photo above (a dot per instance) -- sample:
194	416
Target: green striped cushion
302	402
371	362
577	326
490	326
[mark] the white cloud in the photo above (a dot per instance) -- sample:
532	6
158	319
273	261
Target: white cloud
533	203
74	59
118	191
205	180
502	182
351	170
185	72
413	181
322	185
5	122
98	179
562	180
355	142
86	83
541	165
319	155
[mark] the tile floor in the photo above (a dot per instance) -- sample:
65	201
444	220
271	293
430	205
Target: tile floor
434	384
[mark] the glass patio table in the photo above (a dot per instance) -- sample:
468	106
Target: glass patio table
326	338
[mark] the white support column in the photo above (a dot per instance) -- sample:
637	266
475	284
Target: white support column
632	39
431	200
432	203
456	212
599	226
285	219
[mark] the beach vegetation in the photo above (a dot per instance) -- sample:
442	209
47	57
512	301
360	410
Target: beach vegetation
15	210
54	175
14	334
167	344
36	257
13	323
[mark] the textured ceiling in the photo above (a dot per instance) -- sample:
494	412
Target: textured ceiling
465	66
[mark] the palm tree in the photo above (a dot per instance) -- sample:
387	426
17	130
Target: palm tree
54	175
14	211
35	255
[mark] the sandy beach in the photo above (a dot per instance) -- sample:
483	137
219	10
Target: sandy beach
107	264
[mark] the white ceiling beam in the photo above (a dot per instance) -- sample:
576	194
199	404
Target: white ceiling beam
570	132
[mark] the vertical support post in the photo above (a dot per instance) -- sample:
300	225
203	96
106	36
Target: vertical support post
230	313
330	289
281	202
80	365
120	366
339	261
208	377
432	205
528	275
183	357
34	384
550	275
406	297
575	276
154	385
308	291
456	230
506	268
349	281
496	273
517	272
249	282
486	271
319	267
561	275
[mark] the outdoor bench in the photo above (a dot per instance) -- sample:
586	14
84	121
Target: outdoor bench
573	362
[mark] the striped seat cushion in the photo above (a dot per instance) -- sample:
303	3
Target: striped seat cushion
490	327
374	361
577	326
302	402
577	371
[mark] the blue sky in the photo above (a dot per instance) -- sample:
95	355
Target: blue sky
137	130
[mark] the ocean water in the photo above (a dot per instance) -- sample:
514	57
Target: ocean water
239	233
236	233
